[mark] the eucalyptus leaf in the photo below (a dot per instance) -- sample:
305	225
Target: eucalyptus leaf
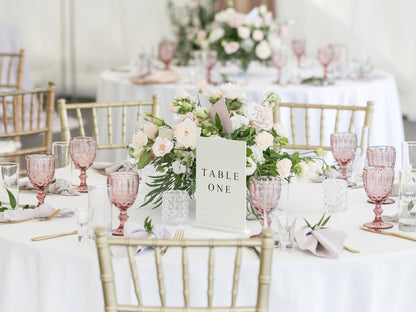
12	199
410	205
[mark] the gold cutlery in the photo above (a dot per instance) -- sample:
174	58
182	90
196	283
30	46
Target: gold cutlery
356	186
178	235
52	215
18	221
351	250
388	233
35	239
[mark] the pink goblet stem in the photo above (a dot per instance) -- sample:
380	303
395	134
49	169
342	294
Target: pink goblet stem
278	76
83	188
41	197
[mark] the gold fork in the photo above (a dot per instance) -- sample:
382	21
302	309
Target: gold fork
178	235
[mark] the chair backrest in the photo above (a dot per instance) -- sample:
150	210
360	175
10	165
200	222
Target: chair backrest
31	115
11	70
104	242
63	109
334	111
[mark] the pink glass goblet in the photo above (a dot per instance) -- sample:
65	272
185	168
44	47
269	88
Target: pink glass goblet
166	52
343	146
378	182
279	59
382	156
40	171
83	151
264	195
125	186
325	56
210	59
298	47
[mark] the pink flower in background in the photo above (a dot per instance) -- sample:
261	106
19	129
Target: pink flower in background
268	18
257	22
182	95
236	20
162	146
283	167
280	129
139	140
264	117
150	129
173	108
232	91
201	86
186	133
264	140
243	32
202	35
284	31
258	35
263	50
231	47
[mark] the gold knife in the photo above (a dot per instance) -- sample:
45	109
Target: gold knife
35	239
388	233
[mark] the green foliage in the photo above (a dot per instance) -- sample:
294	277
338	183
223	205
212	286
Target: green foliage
148	225
320	225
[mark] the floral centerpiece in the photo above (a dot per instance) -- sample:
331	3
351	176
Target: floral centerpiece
171	148
245	37
189	24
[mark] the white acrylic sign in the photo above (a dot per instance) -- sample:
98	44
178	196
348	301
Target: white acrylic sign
221	184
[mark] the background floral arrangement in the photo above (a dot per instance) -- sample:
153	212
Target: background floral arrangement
189	24
245	37
171	149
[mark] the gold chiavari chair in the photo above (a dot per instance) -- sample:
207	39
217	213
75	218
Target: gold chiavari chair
321	109
104	242
63	109
31	116
10	62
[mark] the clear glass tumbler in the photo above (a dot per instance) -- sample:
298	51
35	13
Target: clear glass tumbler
63	162
407	200
9	184
334	195
175	207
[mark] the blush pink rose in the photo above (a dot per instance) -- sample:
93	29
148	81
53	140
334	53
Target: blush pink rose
264	140
283	167
264	117
280	129
150	129
231	47
258	35
186	133
173	108
202	35
162	146
139	140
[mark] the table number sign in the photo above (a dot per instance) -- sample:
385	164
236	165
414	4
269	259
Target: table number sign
221	184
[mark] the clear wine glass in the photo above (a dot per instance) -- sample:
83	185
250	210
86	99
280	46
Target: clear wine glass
83	151
40	171
298	47
378	182
166	52
382	156
209	59
264	195
343	147
125	186
279	59
325	56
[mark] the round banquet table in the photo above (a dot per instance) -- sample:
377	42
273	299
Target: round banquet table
62	275
387	126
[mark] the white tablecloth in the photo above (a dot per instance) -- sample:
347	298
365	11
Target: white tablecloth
387	127
61	275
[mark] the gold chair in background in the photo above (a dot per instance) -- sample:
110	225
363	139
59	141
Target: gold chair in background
104	242
31	116
10	62
63	109
307	108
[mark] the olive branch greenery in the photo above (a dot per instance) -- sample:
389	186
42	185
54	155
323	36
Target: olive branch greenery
320	225
148	225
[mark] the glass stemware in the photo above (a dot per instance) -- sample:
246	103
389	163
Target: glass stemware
125	186
40	171
298	47
209	59
343	147
166	51
325	56
83	151
279	59
264	195
378	182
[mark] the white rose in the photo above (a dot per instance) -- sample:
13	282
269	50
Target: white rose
150	129
186	133
257	154
301	169
257	22
243	32
262	9
314	169
231	47
216	34
178	167
250	166
249	110
247	45
139	140
263	50
264	140
237	121
162	146
280	129
258	35
275	43
231	91
283	167
166	133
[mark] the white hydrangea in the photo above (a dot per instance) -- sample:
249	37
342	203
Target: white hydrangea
216	34
249	110
247	45
250	166
237	121
257	154
178	167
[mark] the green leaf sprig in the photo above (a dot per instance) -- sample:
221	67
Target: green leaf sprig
13	203
410	205
148	225
320	224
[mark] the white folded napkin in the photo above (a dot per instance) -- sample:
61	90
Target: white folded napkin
43	211
135	230
60	186
325	242
106	167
